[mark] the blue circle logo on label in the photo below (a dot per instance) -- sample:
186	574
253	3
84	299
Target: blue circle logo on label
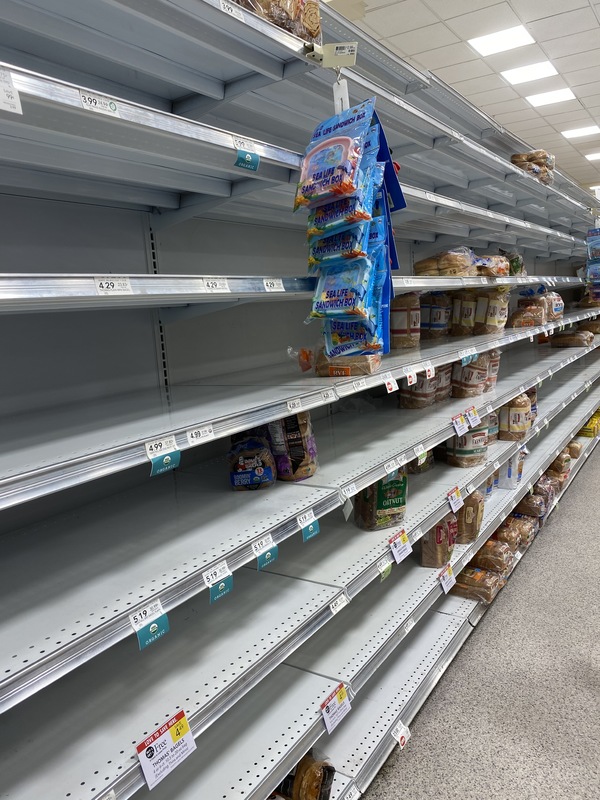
221	587
167	460
153	628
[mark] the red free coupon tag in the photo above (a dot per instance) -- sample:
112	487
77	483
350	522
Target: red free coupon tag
165	749
335	708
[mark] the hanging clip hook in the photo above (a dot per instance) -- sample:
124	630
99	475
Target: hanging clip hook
338	74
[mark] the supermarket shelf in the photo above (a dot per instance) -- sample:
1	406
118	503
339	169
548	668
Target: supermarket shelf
433	284
70	445
44	292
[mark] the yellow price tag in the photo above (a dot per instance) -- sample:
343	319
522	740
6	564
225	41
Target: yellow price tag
404	538
179	729
342	694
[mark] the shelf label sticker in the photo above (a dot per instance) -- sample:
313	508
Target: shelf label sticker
401	734
311	530
400	546
410	374
305	518
196	436
98	103
335	707
390	383
349	491
461	426
110	796
360	384
446	578
521	389
247	160
232	9
150	623
384	567
339	603
9	96
112	285
217	285
164	455
328	396
496	465
218	580
489	408
273	285
165	749
429	369
518	555
409	625
455	499
421	458
419	450
294	405
466	356
352	793
390	466
157	447
265	550
470	489
473	416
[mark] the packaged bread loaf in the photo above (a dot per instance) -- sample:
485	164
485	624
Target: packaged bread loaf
544	488
515	419
346	366
470	449
529	317
251	464
560	478
590	325
492	266
405	321
530	523
555	306
464	306
477	584
509	473
493	369
562	462
574	449
421	394
535	302
510	535
492	421
437	545
436	310
495	556
532	504
294	447
532	395
491	313
577	338
469	518
444	382
469	380
426	266
489	487
587	301
382	504
458	261
422	463
311	779
515	261
525	527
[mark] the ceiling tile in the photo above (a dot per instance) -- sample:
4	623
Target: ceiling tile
594	110
464	71
454	8
505	106
415	42
570	116
484	21
519	57
544	85
578	62
583	19
588	89
571	45
517	116
495	96
400	17
446	56
483	84
530	10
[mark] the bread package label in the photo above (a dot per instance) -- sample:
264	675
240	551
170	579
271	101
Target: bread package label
293	445
383	504
515	420
251	465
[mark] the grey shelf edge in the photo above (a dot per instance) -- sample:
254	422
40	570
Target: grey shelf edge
432	284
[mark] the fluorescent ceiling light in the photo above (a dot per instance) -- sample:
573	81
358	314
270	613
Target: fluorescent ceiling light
575	132
593	157
544	99
501	40
543	69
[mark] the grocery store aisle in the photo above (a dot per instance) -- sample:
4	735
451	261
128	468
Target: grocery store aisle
517	714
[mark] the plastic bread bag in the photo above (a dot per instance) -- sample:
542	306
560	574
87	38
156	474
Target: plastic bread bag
492	266
469	518
515	261
436	312
545	489
350	243
509	473
293	446
529	317
251	464
532	302
422	463
383	504
344	290
311	779
515	419
464	306
346	366
421	394
494	556
427	266
437	545
529	524
405	321
532	504
562	462
532	395
509	535
470	449
546	176
457	261
574	449
443	390
489	487
493	369
491	312
577	338
590	325
555	306
477	584
560	477
331	164
300	17
492	421
469	380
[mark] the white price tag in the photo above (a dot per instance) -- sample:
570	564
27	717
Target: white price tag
430	197
360	384
409	625
531	338
419	450
446	578
470	489
429	369
232	9
273	285
391	384
217	285
328	396
352	794
518	555
197	436
496	465
455	499
98	103
335	707
165	749
400	546
216	573
411	375
339	603
470	351
461	426
390	466
401	734
305	519
384	564
110	796
489	409
350	490
473	417
263	544
108	285
294	405
9	96
157	447
143	616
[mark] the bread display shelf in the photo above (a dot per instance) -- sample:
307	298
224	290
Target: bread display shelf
403	283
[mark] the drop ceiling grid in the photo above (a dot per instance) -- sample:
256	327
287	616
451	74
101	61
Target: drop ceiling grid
432	34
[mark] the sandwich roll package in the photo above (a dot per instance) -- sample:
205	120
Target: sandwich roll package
477	584
311	779
532	504
437	545
427	266
469	518
576	338
464	307
293	446
493	369
436	311
383	504
470	449
491	313
469	380
405	321
444	382
251	464
515	419
495	556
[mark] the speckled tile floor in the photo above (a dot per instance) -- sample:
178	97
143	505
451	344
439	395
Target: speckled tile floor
517	714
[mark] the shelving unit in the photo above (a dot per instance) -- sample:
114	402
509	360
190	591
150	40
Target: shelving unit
195	272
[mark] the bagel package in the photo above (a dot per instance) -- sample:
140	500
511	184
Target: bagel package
251	464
